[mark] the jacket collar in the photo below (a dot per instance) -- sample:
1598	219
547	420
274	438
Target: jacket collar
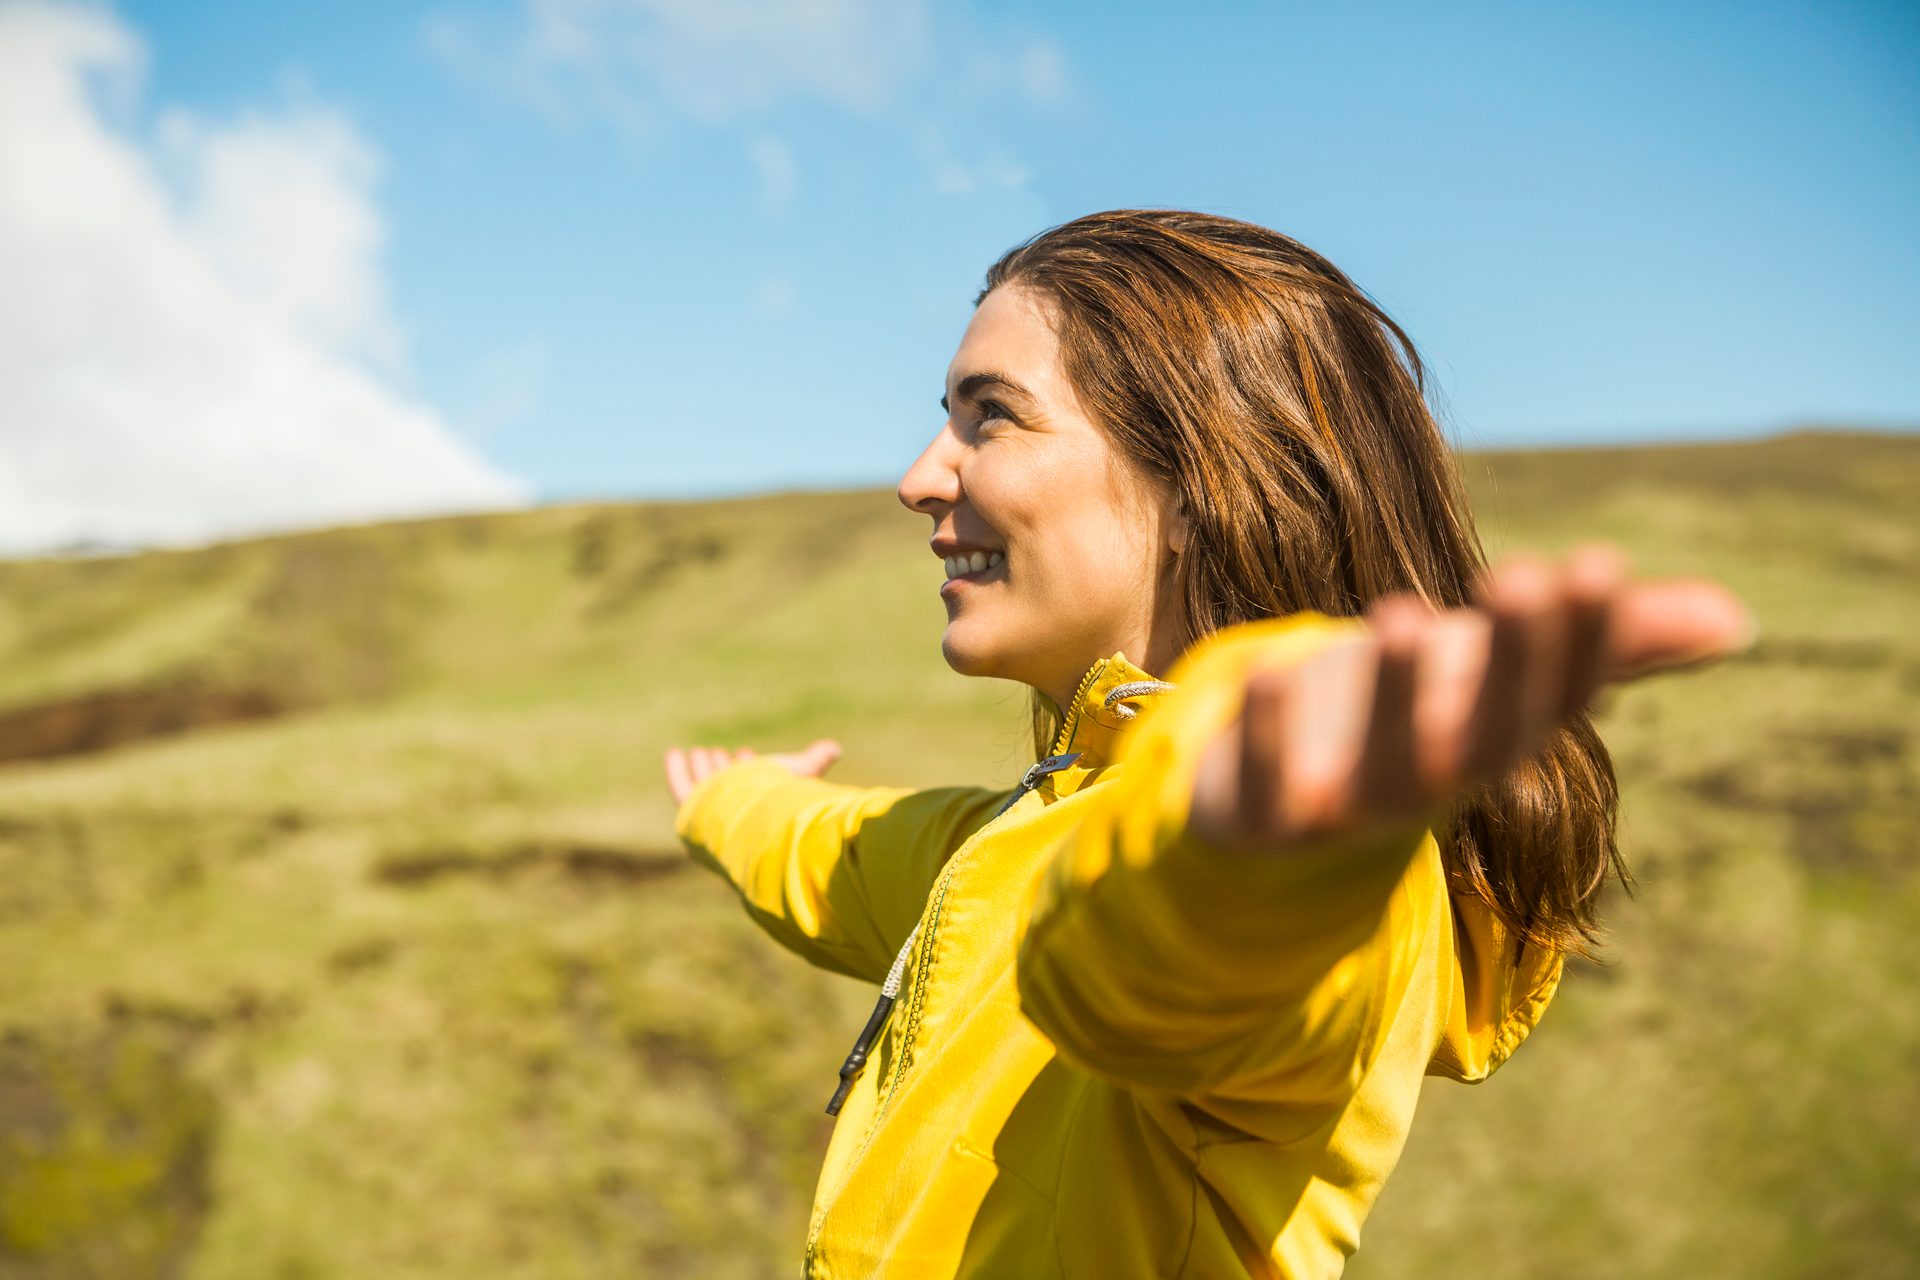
1091	726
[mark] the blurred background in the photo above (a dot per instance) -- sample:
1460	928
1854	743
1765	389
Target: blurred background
413	417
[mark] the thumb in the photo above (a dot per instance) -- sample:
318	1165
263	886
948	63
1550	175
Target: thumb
819	755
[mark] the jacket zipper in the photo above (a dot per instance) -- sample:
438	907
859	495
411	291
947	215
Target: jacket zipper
1072	722
850	1070
930	924
889	991
930	918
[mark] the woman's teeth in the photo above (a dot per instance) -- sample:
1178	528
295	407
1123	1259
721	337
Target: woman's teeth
973	562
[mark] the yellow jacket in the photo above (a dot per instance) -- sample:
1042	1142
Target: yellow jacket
1118	1051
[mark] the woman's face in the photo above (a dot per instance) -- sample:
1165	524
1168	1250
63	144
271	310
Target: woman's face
1077	545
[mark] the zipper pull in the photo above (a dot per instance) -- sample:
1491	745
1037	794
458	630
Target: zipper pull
1031	778
1041	768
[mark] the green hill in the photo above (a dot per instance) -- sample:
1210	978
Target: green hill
344	933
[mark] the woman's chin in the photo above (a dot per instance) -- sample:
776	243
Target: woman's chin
966	655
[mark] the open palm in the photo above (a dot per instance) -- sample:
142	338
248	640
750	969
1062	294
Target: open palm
686	766
1423	703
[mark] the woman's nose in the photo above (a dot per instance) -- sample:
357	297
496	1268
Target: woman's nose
932	481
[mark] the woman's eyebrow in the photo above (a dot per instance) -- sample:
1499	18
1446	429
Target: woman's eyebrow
971	386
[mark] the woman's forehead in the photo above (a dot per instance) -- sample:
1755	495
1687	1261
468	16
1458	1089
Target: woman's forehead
1011	340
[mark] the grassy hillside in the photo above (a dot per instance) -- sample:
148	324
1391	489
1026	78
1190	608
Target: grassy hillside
344	934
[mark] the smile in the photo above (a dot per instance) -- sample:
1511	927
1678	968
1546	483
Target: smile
961	566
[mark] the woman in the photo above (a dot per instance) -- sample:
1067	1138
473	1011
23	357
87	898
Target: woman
1319	810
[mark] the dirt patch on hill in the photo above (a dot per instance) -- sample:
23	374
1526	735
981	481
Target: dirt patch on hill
1845	792
593	864
107	718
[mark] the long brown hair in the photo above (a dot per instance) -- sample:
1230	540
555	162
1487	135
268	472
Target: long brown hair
1289	413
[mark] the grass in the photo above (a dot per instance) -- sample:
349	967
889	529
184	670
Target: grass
411	981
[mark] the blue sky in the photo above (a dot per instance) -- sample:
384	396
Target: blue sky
645	247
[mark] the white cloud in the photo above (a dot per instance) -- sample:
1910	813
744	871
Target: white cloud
279	207
644	65
716	60
954	176
195	340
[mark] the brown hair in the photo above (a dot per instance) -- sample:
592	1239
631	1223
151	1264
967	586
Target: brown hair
1289	413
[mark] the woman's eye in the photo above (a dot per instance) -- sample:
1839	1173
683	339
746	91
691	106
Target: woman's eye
993	409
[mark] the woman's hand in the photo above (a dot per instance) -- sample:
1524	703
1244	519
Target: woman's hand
686	766
1388	727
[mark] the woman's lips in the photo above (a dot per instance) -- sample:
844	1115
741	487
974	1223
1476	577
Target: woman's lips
965	581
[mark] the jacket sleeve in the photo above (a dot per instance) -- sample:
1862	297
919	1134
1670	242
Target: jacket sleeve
1170	963
837	874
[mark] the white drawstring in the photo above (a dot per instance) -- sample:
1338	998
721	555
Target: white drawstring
891	987
1118	696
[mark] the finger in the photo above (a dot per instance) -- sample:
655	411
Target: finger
1260	811
1659	626
1454	649
1214	816
1591	585
1388	781
703	761
1518	691
820	755
745	753
1327	700
679	776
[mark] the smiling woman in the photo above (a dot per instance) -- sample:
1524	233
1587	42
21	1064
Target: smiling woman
1086	546
1163	1009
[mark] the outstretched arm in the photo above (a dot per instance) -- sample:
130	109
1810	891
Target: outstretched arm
1218	925
835	873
